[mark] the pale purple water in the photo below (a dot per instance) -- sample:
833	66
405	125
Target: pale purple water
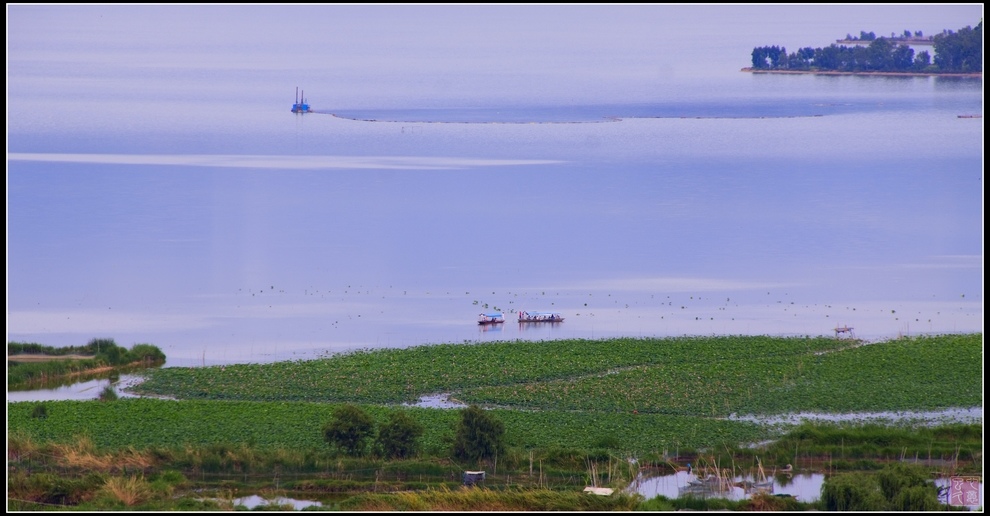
160	191
805	487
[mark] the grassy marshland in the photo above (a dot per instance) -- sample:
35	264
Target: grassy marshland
691	376
575	413
32	365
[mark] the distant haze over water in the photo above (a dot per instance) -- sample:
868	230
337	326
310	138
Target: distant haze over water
611	163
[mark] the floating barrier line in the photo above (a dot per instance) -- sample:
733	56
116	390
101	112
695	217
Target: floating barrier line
606	119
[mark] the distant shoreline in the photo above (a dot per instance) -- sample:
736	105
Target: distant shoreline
883	74
896	41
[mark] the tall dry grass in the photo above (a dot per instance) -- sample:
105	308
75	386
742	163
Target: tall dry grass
19	447
131	490
83	454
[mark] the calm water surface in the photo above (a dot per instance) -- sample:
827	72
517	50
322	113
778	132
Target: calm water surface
805	487
160	191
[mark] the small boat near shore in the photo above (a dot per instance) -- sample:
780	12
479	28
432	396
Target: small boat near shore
539	317
494	318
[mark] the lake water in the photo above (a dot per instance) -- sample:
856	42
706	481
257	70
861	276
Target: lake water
805	487
254	501
612	164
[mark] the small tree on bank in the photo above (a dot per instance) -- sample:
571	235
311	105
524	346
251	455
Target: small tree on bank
479	435
108	394
397	438
350	430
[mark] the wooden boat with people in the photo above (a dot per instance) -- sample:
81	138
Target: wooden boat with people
539	317
493	318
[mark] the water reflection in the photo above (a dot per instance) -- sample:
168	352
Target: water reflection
254	501
971	415
437	401
80	390
543	330
805	487
491	328
64	381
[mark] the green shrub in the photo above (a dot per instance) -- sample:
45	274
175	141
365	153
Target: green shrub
608	442
40	411
61	490
97	346
700	503
659	503
896	477
171	476
479	435
917	498
350	430
108	394
145	353
852	492
397	438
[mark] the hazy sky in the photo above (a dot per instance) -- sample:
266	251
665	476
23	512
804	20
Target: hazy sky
397	48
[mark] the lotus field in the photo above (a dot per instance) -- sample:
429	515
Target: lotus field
635	395
692	376
143	423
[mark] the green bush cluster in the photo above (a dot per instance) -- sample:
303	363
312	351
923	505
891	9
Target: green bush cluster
352	429
479	435
896	487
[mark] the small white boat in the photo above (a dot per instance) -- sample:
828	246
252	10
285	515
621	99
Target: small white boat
494	318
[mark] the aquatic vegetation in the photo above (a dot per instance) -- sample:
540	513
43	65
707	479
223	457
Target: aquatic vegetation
216	441
563	418
700	376
765	375
271	425
403	375
108	394
480	499
897	487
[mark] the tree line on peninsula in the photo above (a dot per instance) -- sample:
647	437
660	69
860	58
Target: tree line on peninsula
955	52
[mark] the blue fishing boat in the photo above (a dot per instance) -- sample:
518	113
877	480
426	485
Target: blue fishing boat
301	106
